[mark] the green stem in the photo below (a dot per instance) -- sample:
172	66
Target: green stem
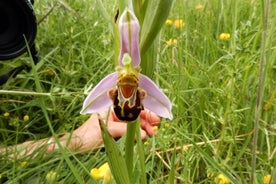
12	92
129	144
259	91
141	154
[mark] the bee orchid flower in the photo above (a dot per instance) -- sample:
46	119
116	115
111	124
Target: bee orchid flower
126	89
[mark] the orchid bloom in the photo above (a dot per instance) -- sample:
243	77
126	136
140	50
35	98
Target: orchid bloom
127	89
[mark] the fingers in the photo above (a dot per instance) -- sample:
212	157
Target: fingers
148	121
150	117
117	129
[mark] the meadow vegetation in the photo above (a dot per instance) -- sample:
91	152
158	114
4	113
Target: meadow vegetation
213	81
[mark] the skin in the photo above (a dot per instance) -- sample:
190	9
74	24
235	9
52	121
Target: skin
88	135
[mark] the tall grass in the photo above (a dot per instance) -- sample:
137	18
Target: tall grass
213	84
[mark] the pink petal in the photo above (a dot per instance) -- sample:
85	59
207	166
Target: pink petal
129	37
156	100
97	100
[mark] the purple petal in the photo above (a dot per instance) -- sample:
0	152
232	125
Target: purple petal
156	100
98	100
129	37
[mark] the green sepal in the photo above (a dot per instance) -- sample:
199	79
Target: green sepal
115	158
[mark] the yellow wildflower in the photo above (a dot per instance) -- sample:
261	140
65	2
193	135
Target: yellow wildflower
266	179
171	42
51	176
24	164
6	114
222	179
178	23
168	22
146	143
185	147
155	130
103	172
199	7
26	118
167	125
224	36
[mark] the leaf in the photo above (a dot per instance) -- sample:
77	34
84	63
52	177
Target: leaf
155	16
115	159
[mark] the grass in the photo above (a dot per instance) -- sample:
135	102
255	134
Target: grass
213	84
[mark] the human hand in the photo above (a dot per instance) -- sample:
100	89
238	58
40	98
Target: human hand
118	128
88	135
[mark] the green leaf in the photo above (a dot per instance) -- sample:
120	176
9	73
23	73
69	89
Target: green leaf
172	170
116	41
155	16
148	59
114	156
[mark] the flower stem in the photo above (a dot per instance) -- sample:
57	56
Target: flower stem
141	154
260	91
129	144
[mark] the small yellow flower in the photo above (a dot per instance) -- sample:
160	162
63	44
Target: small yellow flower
155	130
222	179
171	42
168	22
266	179
167	125
103	172
51	176
24	164
0	176
185	147
6	114
178	23
224	36
199	7
26	118
146	143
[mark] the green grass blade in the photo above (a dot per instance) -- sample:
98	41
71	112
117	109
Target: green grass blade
115	158
156	14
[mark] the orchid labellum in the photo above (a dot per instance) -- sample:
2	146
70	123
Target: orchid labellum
127	89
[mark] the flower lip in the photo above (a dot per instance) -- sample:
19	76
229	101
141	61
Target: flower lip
129	28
